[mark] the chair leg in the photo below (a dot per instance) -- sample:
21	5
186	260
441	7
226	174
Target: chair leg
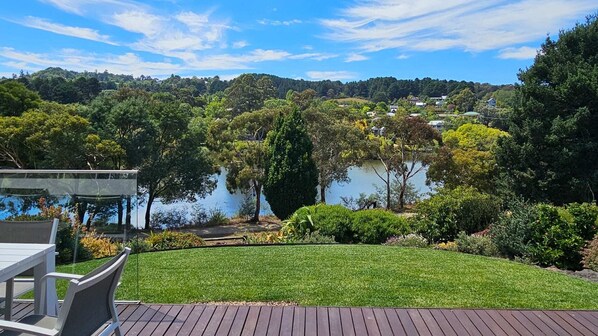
8	300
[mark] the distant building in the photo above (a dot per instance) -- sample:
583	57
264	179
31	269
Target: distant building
438	101
391	114
393	108
437	125
420	104
415	115
371	114
491	102
378	131
471	114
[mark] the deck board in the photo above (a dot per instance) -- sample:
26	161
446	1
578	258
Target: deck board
228	320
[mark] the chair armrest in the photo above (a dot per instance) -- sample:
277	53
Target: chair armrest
27	328
58	275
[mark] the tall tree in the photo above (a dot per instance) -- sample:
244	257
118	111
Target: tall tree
402	146
291	175
178	165
248	94
15	98
338	143
244	154
466	158
551	154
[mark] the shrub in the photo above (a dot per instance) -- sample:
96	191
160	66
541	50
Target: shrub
170	219
331	220
99	246
474	244
138	245
543	234
512	233
554	241
247	207
584	219
313	238
410	240
168	240
590	255
376	225
217	217
447	246
67	243
265	238
444	215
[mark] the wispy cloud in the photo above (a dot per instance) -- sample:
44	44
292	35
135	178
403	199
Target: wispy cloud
353	57
403	56
469	25
57	28
267	22
240	44
518	53
331	75
313	56
127	63
82	7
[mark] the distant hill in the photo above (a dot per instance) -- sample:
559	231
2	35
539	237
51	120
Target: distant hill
72	86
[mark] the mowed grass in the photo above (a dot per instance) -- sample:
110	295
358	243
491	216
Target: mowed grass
346	275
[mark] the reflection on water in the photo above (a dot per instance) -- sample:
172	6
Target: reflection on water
363	180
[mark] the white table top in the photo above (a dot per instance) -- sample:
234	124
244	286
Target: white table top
14	257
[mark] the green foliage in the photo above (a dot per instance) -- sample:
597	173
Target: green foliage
248	94
329	220
554	126
590	255
584	219
512	233
247	208
410	240
466	158
476	244
170	219
374	226
15	98
169	240
291	175
545	234
217	217
444	215
139	245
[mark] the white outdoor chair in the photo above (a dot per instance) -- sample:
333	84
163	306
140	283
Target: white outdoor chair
29	232
88	305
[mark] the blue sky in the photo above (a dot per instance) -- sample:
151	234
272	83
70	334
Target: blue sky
477	40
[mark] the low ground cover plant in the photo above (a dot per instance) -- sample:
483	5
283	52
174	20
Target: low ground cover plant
476	244
410	240
168	240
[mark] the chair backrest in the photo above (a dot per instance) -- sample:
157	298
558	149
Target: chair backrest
89	301
29	232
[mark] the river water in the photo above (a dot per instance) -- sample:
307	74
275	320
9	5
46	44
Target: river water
363	180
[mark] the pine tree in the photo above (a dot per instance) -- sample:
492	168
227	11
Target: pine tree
552	154
291	175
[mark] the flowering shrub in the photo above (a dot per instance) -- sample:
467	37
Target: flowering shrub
476	244
410	240
447	246
99	246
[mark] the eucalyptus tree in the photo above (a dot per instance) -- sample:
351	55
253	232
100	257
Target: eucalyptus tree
338	143
402	145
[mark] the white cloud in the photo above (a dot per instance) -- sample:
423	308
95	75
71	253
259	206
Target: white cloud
127	63
470	25
81	7
313	56
57	28
353	57
138	22
331	75
403	56
240	44
267	22
518	53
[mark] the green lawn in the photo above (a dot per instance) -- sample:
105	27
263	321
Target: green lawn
347	275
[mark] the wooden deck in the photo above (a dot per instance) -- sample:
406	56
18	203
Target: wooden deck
148	319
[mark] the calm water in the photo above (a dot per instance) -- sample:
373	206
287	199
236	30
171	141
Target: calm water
363	180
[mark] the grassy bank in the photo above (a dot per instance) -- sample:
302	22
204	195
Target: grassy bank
347	275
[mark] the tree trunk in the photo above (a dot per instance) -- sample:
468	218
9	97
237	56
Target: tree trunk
402	193
387	190
150	200
128	214
322	194
258	196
